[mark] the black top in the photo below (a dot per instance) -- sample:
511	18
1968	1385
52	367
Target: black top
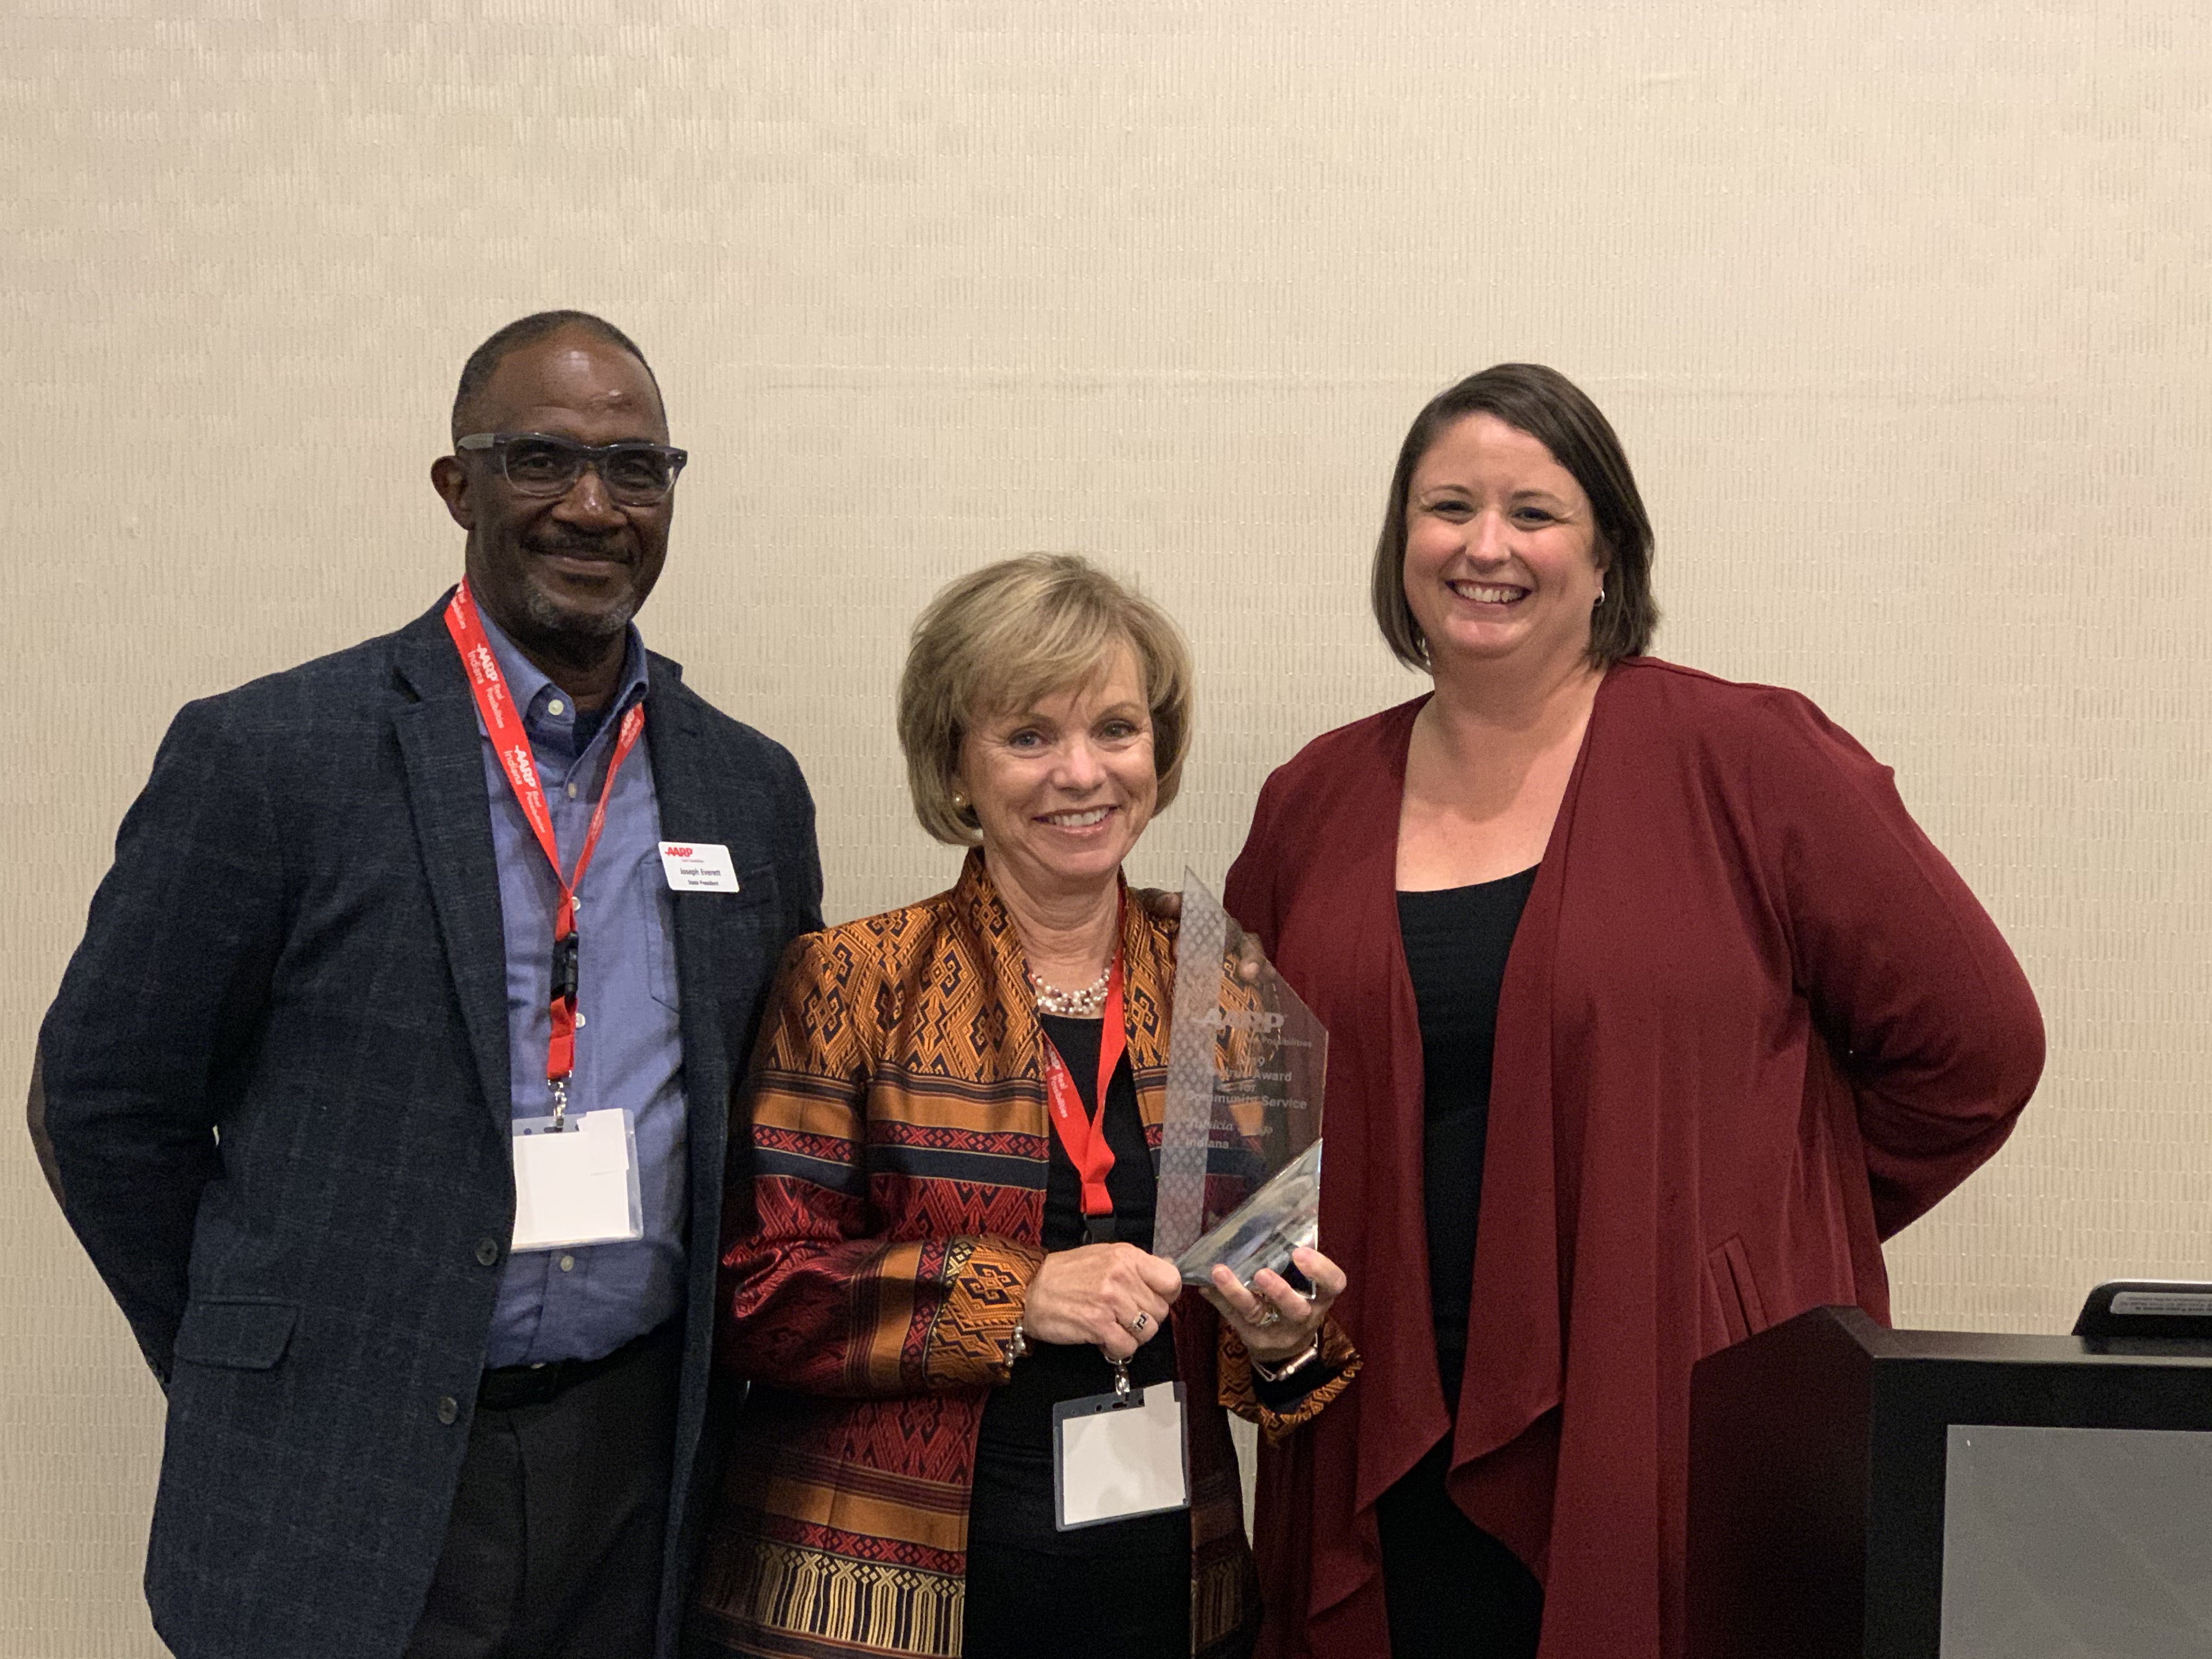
1457	941
1131	1183
1013	1503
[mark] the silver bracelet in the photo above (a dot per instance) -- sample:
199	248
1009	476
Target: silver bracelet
1267	1373
1018	1346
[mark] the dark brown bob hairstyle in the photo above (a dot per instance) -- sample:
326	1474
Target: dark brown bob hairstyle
1556	412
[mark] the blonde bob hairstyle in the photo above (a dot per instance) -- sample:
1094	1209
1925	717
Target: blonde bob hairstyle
1001	639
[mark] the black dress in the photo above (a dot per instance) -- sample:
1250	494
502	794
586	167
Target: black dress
1450	1587
1121	1590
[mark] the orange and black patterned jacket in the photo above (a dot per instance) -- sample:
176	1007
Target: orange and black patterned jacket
899	1156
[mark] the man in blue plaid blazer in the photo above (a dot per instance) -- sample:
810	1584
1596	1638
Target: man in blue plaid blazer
278	1092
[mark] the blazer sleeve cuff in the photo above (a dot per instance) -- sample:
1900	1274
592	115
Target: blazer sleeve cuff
1338	1365
987	1281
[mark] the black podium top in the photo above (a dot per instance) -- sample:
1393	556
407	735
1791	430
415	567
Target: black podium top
1818	1458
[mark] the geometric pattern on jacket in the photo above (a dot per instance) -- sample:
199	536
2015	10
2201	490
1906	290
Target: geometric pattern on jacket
876	1271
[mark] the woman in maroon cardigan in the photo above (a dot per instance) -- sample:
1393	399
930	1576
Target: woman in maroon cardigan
1657	968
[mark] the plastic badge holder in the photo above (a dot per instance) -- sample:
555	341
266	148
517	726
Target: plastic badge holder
1116	1458
581	1202
1240	1142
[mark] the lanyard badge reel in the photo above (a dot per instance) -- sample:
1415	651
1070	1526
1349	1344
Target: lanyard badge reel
1124	1454
576	1178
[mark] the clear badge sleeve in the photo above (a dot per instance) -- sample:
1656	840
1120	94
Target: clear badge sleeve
1113	1458
1240	1144
578	1185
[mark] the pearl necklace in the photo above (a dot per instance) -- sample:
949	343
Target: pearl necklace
1089	1003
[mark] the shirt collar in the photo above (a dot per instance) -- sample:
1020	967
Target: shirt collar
533	694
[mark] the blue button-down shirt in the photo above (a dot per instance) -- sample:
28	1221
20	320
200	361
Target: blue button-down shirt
585	1301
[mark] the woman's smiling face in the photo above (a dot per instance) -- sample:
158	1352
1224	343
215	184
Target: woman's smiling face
1501	549
1062	789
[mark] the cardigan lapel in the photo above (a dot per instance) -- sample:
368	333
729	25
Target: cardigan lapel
443	750
1375	1158
1505	1447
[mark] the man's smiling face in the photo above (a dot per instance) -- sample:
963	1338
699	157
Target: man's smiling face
561	575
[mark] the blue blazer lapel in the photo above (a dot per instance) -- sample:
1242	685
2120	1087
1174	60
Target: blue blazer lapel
443	750
694	804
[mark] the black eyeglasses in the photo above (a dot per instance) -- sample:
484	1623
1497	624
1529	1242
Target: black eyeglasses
636	474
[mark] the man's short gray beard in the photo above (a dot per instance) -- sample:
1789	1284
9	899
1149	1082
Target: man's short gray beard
548	618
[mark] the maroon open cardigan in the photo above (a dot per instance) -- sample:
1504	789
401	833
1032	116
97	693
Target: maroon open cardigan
1752	1024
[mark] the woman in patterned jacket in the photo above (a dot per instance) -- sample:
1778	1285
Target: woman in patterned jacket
921	1268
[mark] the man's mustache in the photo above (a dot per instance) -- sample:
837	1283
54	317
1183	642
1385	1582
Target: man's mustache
590	547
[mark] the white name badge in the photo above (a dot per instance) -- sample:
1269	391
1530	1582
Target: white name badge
1113	1458
576	1185
698	867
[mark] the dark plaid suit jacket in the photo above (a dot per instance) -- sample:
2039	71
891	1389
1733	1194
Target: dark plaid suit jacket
273	1097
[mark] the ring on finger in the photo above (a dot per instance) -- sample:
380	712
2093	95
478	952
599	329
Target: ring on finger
1137	1325
1269	1315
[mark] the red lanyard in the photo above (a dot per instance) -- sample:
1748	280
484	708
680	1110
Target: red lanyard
1083	1136
497	705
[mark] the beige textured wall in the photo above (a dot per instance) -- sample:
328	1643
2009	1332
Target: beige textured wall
1900	309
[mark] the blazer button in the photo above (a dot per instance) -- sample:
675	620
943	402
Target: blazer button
449	1409
487	1251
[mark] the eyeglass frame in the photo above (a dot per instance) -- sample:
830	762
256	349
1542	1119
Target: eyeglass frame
594	457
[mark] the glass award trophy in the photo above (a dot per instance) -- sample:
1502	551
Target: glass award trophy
1240	1146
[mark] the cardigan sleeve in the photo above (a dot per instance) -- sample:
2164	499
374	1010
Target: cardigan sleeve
814	1298
1249	895
1922	1004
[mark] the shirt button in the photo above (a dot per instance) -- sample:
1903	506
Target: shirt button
554	707
568	1264
572	791
449	1409
487	1251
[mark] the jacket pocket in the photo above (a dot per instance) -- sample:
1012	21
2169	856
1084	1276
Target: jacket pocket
731	923
240	1333
1727	1270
